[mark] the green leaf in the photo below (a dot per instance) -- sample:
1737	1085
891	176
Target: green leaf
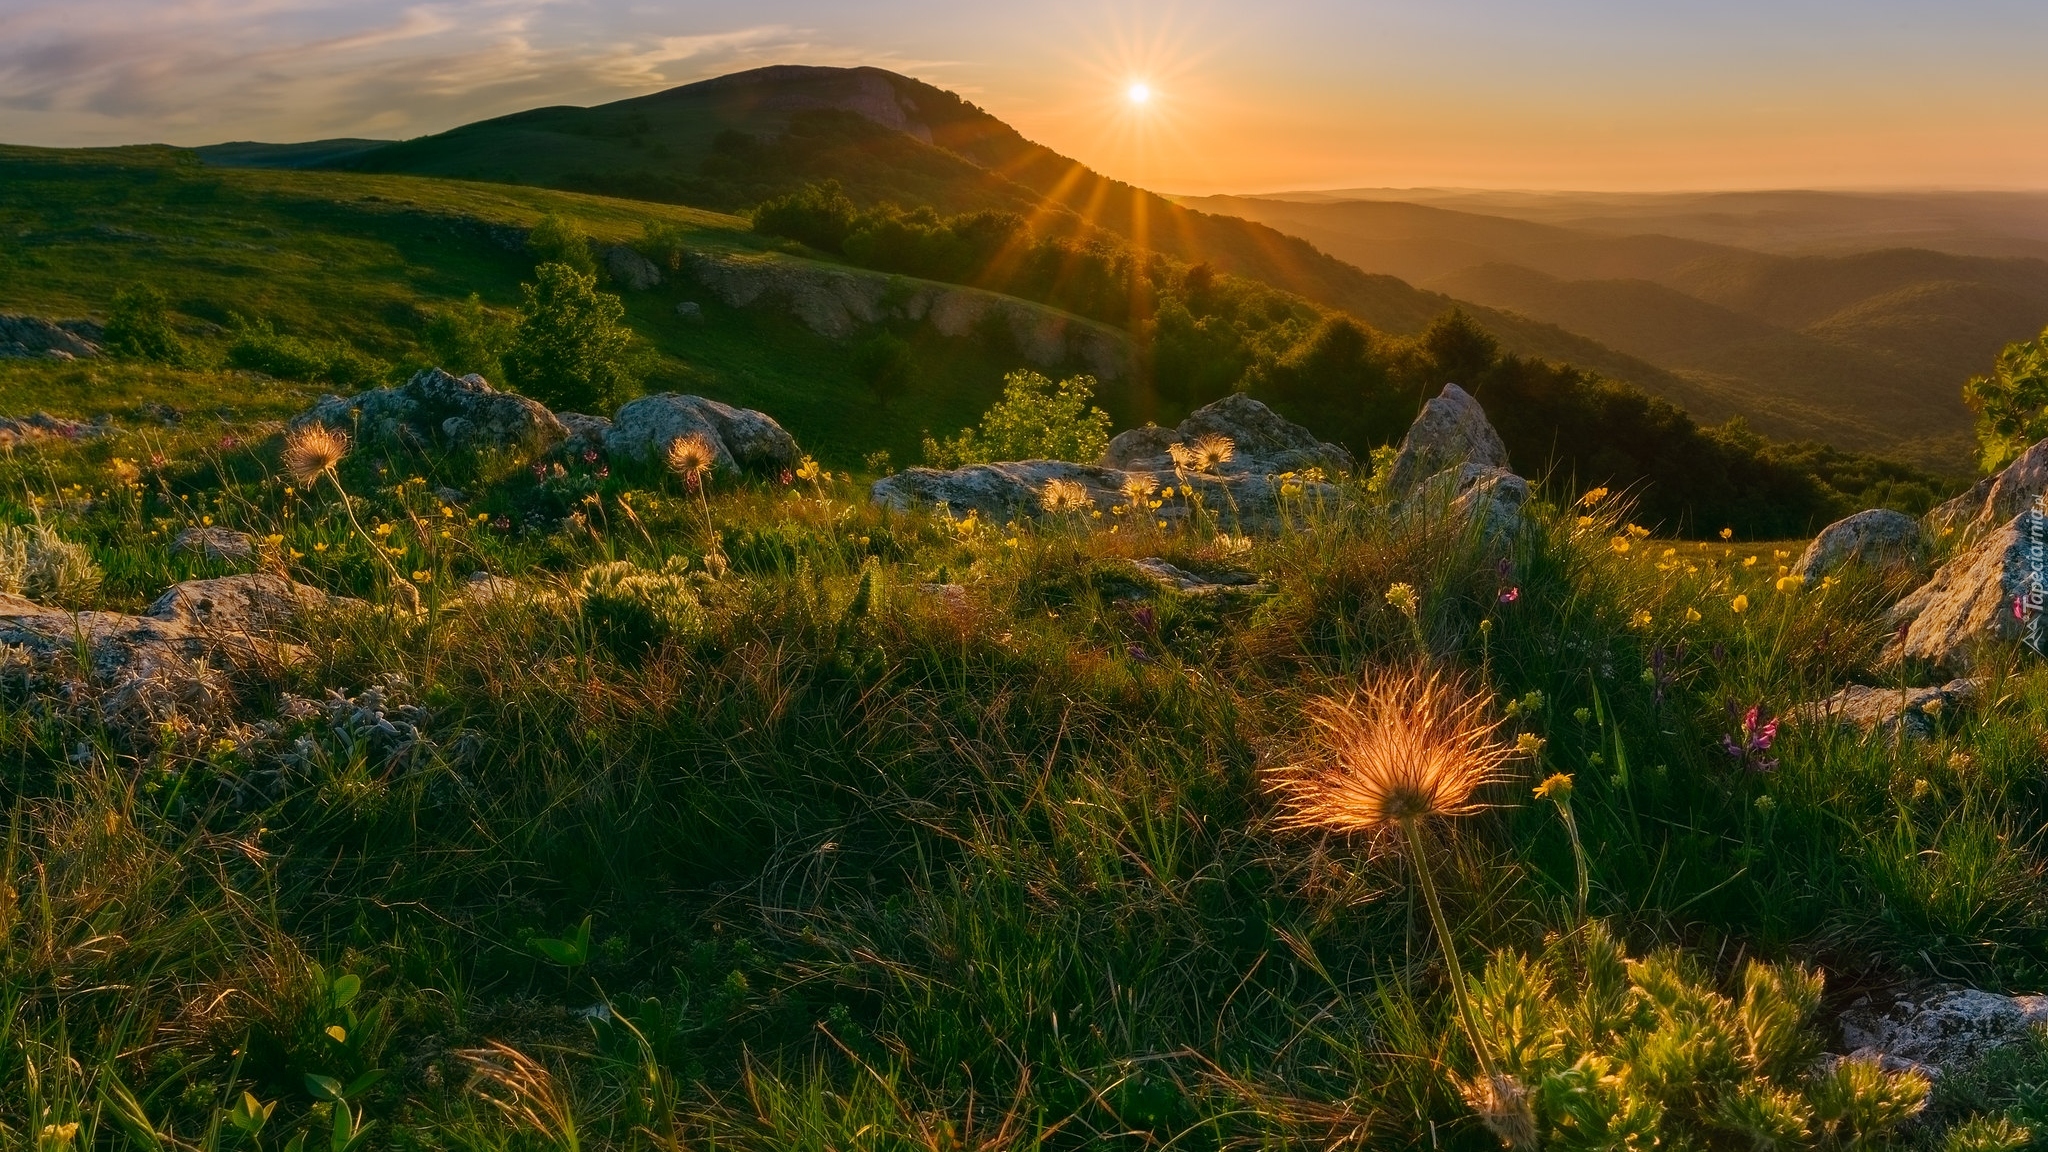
346	987
360	1084
325	1088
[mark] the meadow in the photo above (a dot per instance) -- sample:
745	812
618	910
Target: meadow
758	816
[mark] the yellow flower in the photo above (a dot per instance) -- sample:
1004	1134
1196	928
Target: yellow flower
1692	615
1585	521
422	576
1780	554
1643	619
808	469
1162	523
1667	554
1402	597
1529	744
1727	533
1592	497
273	539
1827	582
1750	562
1557	787
383	529
298	555
1739	605
447	513
1790	583
207	521
1638	531
1620	545
319	547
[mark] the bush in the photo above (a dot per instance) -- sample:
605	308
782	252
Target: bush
556	240
260	347
883	363
470	338
1035	420
139	327
570	351
816	214
2011	403
631	610
35	562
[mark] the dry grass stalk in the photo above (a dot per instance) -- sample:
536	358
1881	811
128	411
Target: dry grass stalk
523	1090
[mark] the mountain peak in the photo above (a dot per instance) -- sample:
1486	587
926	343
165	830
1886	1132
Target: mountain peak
884	97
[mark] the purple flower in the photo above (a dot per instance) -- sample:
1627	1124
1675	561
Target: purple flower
1753	736
2019	607
1143	618
1509	596
590	455
1137	652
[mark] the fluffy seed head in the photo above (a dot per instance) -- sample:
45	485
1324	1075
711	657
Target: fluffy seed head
1502	1104
1407	746
1138	489
1183	455
1065	496
313	450
1213	451
691	455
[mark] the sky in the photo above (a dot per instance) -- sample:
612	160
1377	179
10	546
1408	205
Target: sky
1251	96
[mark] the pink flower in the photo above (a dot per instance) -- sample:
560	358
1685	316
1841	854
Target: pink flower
1511	595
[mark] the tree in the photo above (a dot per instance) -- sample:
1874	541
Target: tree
139	326
558	241
2011	403
816	214
470	338
570	350
883	364
1035	420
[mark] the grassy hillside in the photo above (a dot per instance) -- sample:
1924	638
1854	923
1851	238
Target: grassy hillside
361	258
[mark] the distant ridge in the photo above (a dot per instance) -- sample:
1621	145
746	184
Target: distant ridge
311	154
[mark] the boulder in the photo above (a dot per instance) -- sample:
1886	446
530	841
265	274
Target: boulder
435	407
1878	538
741	437
484	588
1994	500
1982	595
1263	442
216	543
586	433
689	310
1192	584
1452	430
1492	500
1937	1030
42	425
32	337
246	607
1883	710
630	269
996	492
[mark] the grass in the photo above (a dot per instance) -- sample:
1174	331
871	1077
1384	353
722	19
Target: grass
805	856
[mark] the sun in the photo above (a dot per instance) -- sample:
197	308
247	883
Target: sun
1139	92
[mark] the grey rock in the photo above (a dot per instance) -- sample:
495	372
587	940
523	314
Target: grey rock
216	543
453	497
742	438
689	310
996	492
29	337
1940	1030
1192	584
953	596
1878	538
630	269
42	425
586	433
484	588
1263	442
435	407
1492	500
1451	430
1994	500
1883	710
1971	600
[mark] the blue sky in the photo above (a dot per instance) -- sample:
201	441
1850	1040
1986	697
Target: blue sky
1281	93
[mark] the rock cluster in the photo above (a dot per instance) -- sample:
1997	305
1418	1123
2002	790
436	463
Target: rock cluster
32	337
175	657
1452	455
1243	493
1993	501
435	407
741	438
1883	710
629	269
42	425
1936	1030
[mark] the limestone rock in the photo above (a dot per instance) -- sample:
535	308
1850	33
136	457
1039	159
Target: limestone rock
996	492
1882	710
1939	1030
630	269
1492	499
1192	584
1263	441
1878	538
1451	430
32	337
1972	599
586	433
742	438
435	407
216	543
1994	500
484	588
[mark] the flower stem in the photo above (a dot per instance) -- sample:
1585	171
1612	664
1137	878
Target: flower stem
1413	829
1571	828
348	508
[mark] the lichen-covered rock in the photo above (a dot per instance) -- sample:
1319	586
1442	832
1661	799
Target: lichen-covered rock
741	437
1975	598
435	407
1194	584
216	543
1492	500
1452	430
1882	710
586	433
1994	500
1939	1030
629	269
26	337
1878	538
254	606
1262	440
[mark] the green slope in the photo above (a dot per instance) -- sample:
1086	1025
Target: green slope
358	258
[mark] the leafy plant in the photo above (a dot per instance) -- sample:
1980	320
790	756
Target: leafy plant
557	239
1035	420
2011	402
139	326
470	337
37	563
570	350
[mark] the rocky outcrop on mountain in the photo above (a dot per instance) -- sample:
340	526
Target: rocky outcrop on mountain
741	438
840	302
1451	431
216	543
435	407
1243	493
1883	710
1938	1030
32	337
629	269
1994	500
1878	538
174	658
1979	596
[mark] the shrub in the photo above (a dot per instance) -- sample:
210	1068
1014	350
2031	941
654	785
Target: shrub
883	363
570	350
2011	403
816	214
559	241
470	338
1035	420
630	609
139	327
37	563
260	347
